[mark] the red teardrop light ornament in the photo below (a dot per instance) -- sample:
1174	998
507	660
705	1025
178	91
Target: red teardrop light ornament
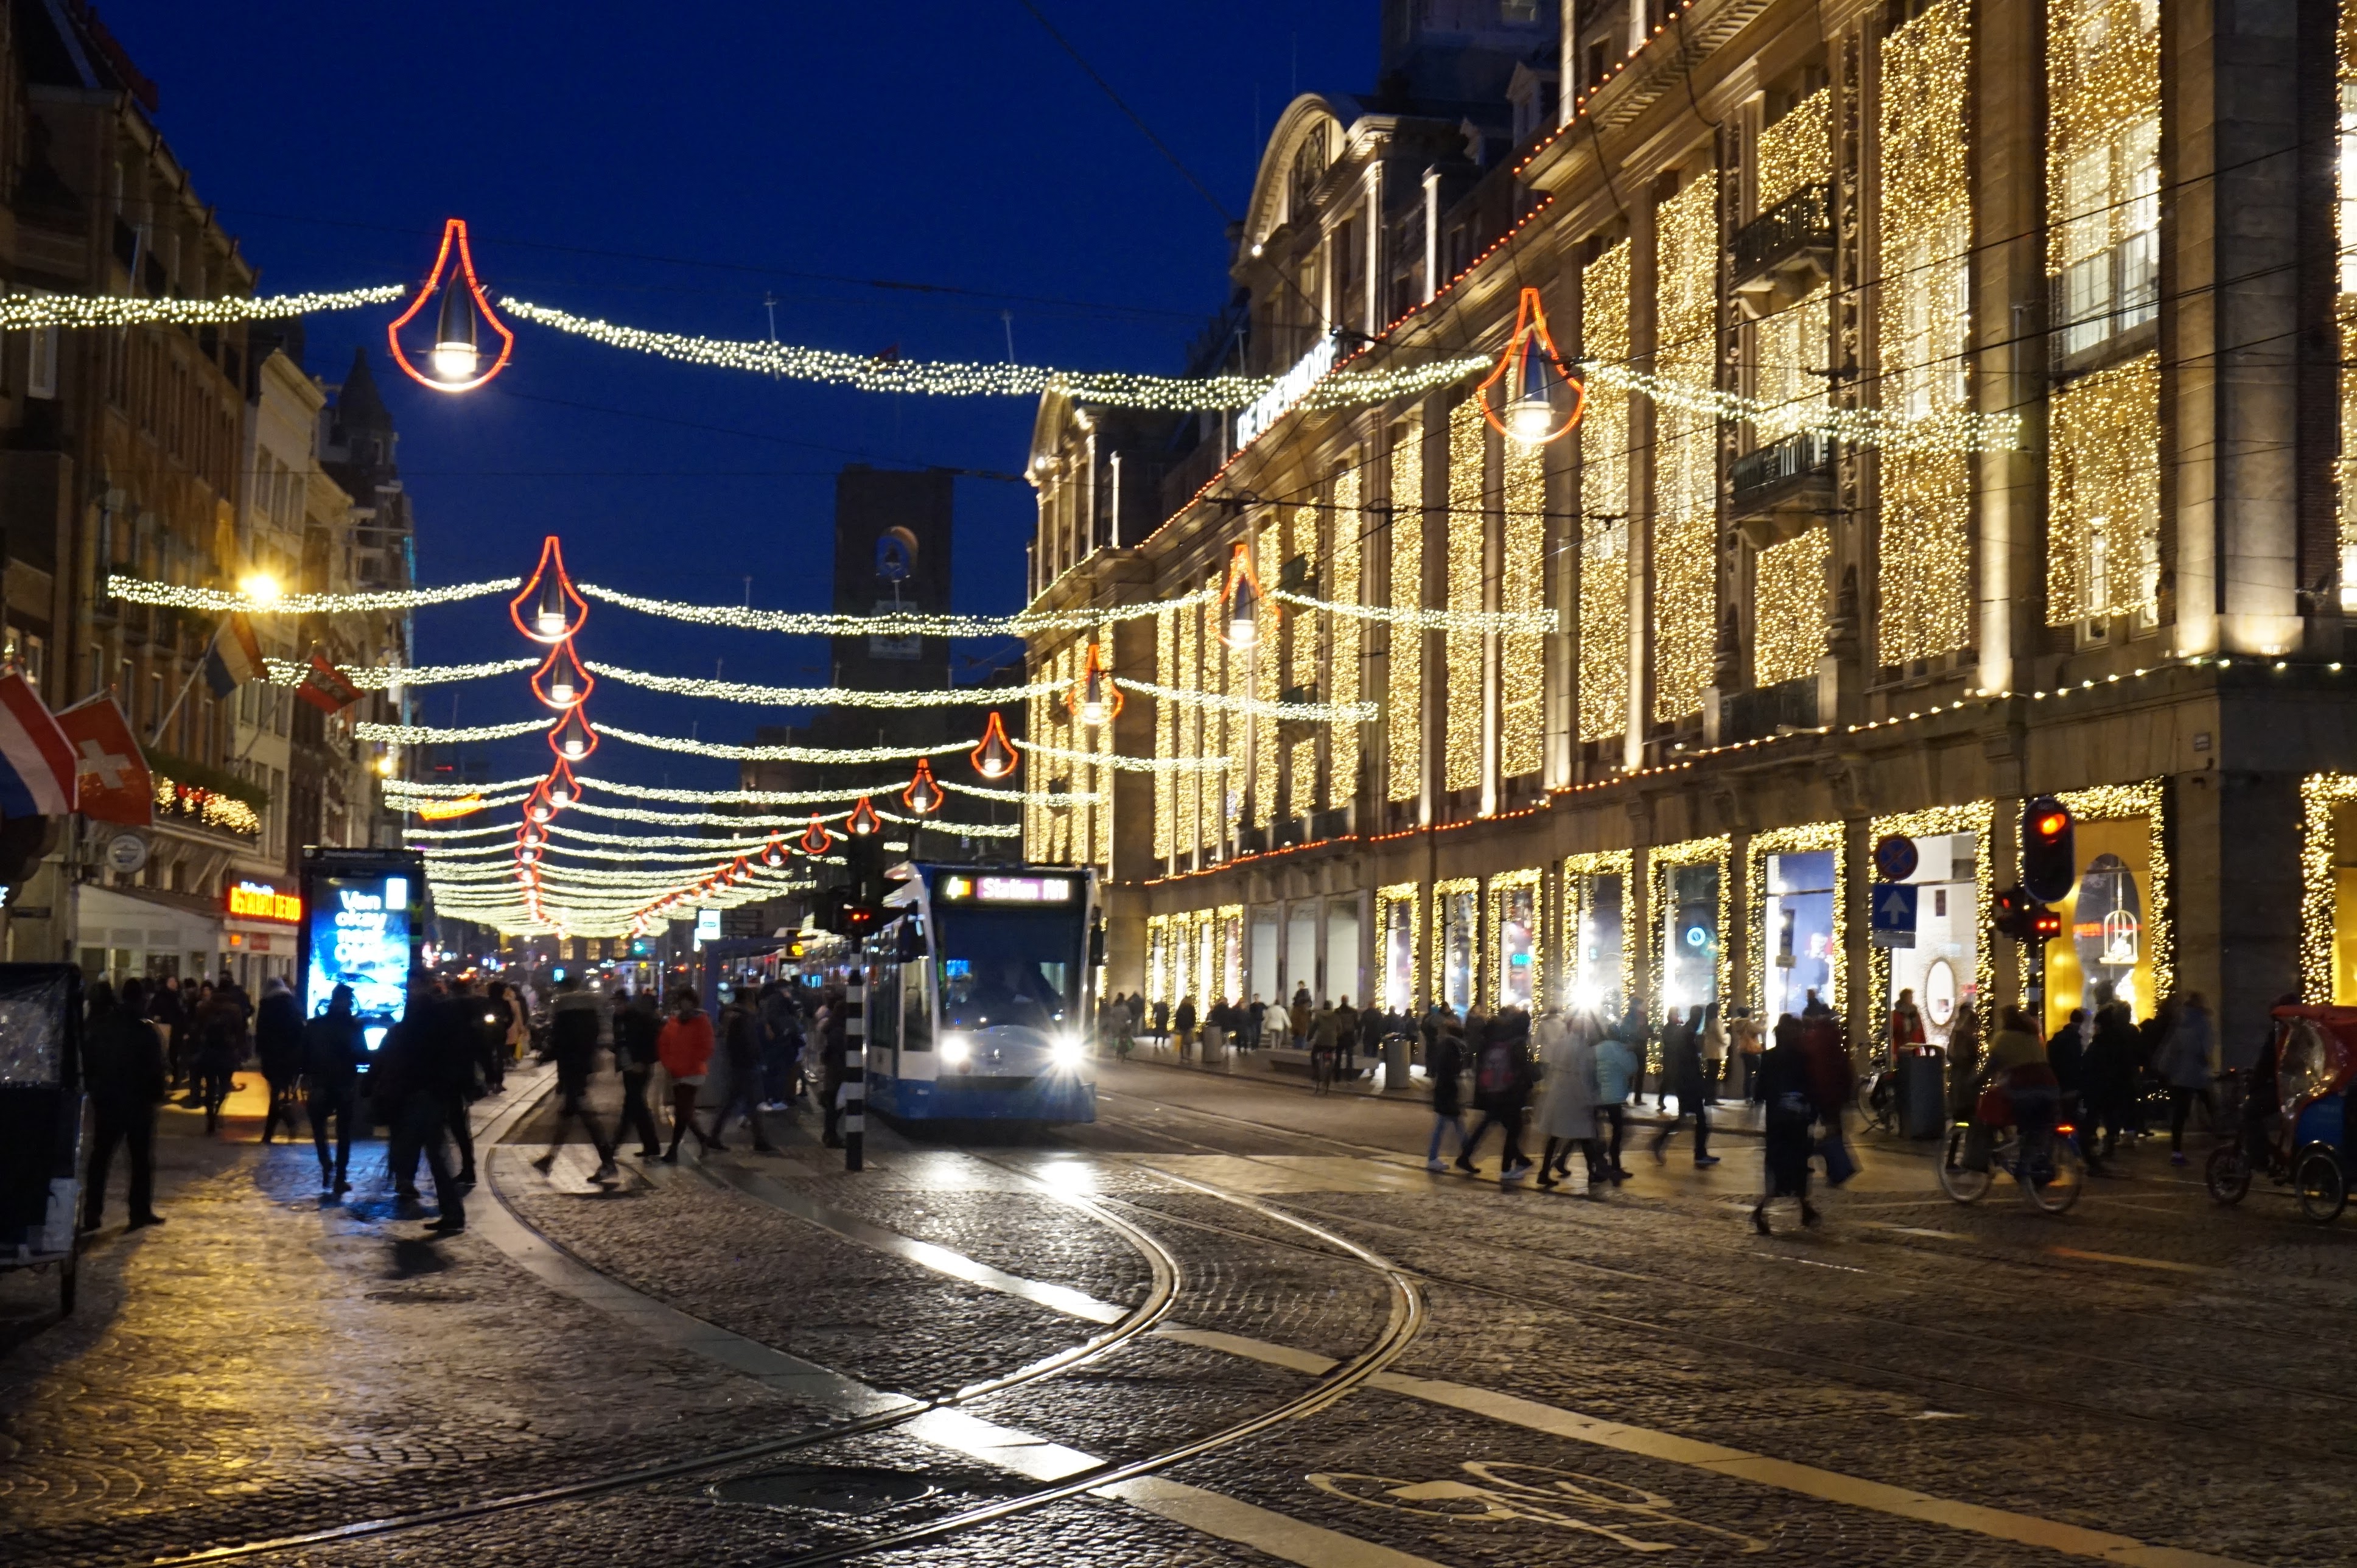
1093	698
995	756
560	785
560	682
454	360
922	796
573	739
816	839
537	807
548	610
1533	380
864	819
774	854
1241	602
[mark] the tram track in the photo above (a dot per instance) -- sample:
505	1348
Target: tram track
1161	1294
1848	1368
1959	1248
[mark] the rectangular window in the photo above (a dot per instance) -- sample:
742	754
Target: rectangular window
41	363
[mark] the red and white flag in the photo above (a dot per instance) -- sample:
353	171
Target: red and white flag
115	784
326	688
36	766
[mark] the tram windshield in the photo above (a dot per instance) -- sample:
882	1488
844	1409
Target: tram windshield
1007	967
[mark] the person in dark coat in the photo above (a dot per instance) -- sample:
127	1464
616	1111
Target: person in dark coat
1786	1093
741	1050
1683	1075
278	1045
2066	1053
638	1025
218	1031
833	1055
2107	1076
575	1024
1444	1070
164	1005
122	1069
1501	1091
415	1073
333	1052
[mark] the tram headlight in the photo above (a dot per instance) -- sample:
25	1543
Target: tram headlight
1068	1052
957	1050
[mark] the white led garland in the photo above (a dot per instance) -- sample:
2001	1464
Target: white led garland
426	735
1949	432
1319	712
385	677
19	312
896	623
1435	620
139	591
818	696
781	753
1131	764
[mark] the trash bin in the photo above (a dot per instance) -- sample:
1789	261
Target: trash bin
1922	1094
1395	1062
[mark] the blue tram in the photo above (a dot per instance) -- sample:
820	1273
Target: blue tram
980	995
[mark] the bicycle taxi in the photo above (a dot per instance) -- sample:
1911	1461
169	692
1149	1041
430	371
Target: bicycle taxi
2295	1121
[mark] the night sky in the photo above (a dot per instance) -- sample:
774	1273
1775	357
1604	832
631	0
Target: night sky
668	167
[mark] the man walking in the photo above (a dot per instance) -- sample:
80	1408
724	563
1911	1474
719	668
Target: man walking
636	1026
333	1049
574	1028
123	1067
1682	1075
412	1080
742	1054
1501	1091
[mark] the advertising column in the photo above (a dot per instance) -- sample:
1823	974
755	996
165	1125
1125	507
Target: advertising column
363	917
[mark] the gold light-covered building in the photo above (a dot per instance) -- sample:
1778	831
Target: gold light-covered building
1931	462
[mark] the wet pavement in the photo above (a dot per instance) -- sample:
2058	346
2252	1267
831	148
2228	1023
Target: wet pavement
1232	1322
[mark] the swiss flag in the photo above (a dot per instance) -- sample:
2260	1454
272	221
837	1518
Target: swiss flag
326	688
115	784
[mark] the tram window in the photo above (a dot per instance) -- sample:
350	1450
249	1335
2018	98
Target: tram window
884	1011
916	1019
1009	967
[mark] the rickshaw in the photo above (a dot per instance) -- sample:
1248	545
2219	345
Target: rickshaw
2303	1140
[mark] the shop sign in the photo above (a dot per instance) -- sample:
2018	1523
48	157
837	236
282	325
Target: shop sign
260	901
1287	389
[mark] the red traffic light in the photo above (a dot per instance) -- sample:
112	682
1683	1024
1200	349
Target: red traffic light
2052	824
2045	924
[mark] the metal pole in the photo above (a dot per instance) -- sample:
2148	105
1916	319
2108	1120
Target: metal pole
855	1063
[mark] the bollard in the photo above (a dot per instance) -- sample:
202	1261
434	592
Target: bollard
854	1092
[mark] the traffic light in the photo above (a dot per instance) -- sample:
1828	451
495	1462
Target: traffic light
2012	913
2048	866
2045	924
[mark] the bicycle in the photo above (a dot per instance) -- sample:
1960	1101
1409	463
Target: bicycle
2049	1181
1877	1095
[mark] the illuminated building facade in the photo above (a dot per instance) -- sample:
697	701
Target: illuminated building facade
1932	461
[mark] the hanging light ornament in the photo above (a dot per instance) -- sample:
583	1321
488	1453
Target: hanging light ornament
537	807
1093	698
816	840
922	796
548	610
1241	600
561	790
773	854
455	363
560	682
864	821
1533	374
995	757
573	739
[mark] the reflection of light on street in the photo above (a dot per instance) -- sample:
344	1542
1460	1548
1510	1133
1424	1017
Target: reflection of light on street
1069	1174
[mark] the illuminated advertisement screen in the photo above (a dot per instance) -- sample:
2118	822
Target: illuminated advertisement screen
360	936
986	889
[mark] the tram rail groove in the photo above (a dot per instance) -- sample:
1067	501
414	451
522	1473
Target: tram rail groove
1405	1321
1161	1294
1849	1368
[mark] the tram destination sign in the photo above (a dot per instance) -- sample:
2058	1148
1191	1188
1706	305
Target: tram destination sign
1006	890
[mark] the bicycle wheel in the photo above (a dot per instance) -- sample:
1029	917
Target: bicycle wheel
2323	1190
1963	1184
2228	1173
2056	1178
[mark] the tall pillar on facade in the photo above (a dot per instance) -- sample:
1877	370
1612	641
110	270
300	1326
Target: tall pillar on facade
2232	111
1644	272
2009	293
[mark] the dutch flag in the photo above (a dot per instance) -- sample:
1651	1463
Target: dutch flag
37	772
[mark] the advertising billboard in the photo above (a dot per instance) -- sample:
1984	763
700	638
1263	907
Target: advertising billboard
361	925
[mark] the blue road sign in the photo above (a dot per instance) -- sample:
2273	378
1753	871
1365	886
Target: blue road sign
1896	857
1894	915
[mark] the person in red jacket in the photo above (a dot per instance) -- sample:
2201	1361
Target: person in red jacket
685	1047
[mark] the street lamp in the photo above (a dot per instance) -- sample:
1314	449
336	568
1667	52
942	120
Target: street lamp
995	757
1244	596
262	588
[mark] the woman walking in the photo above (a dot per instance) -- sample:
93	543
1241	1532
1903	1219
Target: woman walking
1444	1070
1567	1089
1785	1088
685	1047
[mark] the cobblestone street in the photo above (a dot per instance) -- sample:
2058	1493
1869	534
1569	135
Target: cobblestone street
1228	1323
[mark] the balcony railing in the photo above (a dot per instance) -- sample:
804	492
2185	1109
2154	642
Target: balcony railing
1751	715
1785	252
1803	455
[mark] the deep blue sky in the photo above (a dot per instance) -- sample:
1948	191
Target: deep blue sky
669	165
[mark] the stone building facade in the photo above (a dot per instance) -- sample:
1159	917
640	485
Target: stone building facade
1965	405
